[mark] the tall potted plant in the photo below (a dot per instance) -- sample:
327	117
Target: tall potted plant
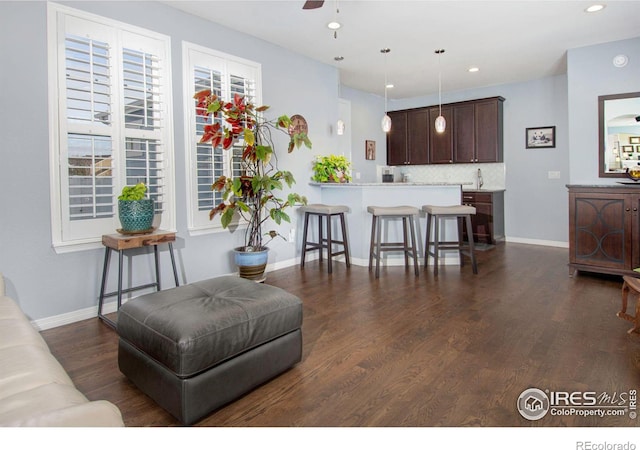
255	194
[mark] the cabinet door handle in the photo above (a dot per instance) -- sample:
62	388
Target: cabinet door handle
628	209
635	209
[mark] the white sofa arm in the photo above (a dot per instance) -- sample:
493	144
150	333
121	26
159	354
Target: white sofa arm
99	413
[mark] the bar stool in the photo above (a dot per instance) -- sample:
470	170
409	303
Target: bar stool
437	213
327	212
407	214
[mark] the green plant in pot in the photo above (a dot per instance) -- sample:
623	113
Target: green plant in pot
255	195
332	169
135	210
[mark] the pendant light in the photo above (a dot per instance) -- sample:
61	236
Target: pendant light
441	123
386	120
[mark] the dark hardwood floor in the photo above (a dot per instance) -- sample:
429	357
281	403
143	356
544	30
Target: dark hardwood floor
456	350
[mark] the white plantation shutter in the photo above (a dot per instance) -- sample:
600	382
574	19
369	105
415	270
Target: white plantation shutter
110	127
88	110
143	118
225	76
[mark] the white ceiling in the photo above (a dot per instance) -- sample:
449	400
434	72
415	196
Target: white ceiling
509	40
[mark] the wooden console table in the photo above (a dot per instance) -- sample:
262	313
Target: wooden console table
604	229
120	243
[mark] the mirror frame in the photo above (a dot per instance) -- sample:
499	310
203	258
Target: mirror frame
602	126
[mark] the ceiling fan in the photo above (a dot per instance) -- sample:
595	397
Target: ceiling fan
312	4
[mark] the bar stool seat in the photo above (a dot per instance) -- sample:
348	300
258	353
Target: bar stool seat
326	212
437	213
407	214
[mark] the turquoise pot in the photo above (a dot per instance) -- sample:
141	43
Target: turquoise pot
251	264
136	215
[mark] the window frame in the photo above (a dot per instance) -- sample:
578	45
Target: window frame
194	55
66	238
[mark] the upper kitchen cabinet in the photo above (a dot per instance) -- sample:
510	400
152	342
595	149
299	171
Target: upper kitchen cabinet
408	140
473	134
488	130
478	131
441	144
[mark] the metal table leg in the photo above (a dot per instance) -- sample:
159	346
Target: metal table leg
173	263
105	271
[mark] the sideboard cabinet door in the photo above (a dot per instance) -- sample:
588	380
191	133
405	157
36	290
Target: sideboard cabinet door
604	230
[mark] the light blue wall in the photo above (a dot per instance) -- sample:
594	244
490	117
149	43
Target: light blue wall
367	111
48	284
591	73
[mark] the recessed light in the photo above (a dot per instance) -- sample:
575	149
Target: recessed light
389	86
620	60
333	25
594	8
338	58
473	69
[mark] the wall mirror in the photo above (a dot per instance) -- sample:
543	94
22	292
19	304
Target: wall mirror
619	122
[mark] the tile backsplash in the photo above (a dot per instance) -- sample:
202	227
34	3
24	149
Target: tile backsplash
493	174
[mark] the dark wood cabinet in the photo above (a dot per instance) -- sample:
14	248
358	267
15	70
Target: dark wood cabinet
464	138
441	144
604	229
418	138
408	140
474	134
397	139
488	221
478	131
488	130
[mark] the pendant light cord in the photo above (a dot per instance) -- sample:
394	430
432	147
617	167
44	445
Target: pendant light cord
385	51
439	52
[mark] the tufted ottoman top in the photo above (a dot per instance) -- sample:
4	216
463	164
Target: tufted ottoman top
194	327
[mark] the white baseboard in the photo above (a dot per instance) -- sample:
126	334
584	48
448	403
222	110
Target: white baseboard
545	243
73	316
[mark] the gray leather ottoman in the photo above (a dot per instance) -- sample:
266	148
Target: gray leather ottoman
199	346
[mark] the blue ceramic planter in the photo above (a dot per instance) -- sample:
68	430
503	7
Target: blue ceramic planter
251	264
136	215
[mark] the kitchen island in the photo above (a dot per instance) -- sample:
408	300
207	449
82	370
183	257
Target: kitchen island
357	196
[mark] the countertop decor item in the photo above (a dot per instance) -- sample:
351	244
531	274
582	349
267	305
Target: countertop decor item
633	172
332	169
254	195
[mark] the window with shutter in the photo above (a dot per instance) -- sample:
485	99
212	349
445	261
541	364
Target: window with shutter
111	123
225	76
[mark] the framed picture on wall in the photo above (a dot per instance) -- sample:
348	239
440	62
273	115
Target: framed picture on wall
627	148
370	149
634	140
541	137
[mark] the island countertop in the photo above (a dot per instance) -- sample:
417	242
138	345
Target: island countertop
394	184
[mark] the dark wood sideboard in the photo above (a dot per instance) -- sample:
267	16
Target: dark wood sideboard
604	228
